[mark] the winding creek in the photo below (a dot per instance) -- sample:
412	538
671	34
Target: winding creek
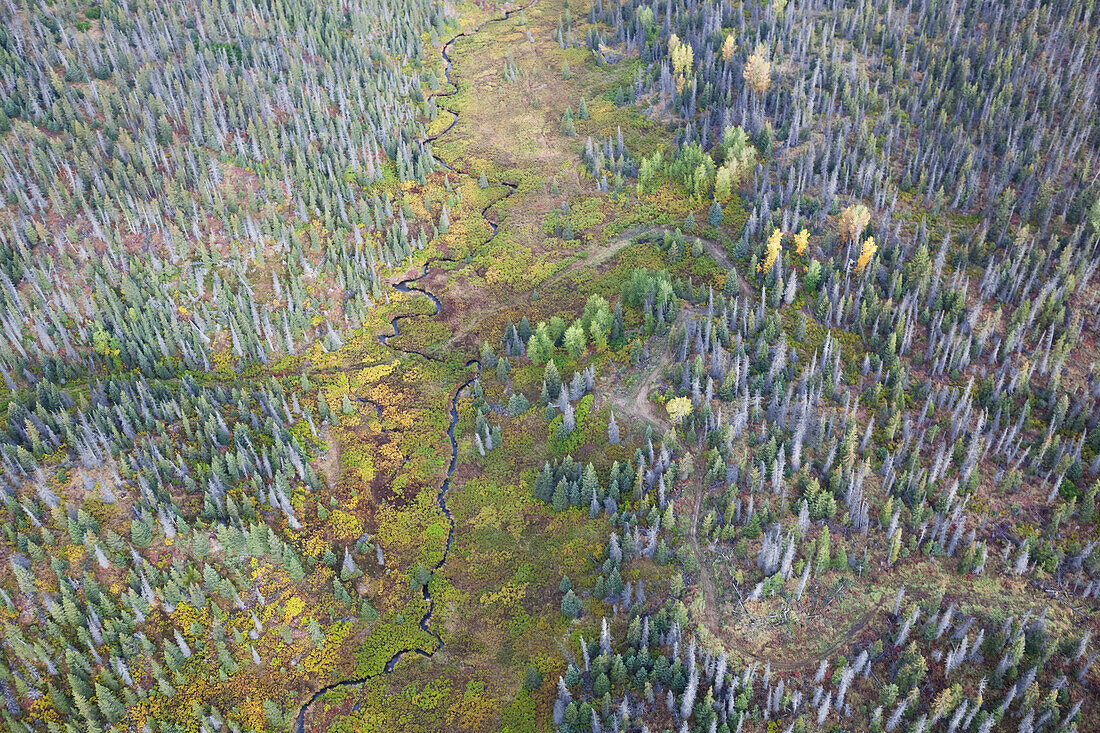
408	286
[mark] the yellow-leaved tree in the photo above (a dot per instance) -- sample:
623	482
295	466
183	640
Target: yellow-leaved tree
728	47
869	249
758	70
678	408
775	243
853	220
683	57
800	241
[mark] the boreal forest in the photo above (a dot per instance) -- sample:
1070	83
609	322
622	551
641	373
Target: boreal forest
549	366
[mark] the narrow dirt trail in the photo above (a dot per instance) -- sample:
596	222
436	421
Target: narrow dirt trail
635	403
603	254
716	251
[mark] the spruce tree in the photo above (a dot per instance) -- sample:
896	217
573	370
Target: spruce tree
560	500
571	605
714	215
551	378
544	484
